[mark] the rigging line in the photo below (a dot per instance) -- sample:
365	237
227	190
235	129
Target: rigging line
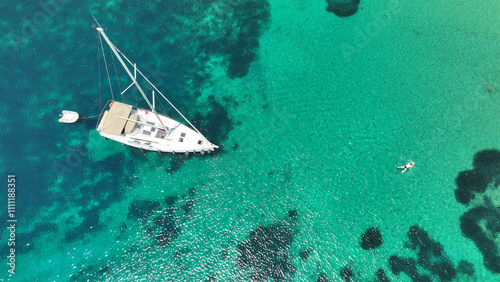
99	72
106	64
90	116
161	105
161	94
148	87
116	73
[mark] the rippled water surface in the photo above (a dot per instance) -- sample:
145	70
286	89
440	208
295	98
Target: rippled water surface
313	111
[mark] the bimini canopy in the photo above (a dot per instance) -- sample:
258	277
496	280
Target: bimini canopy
113	122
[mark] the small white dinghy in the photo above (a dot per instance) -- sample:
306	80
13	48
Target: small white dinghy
68	117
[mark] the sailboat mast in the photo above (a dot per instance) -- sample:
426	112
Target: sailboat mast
101	31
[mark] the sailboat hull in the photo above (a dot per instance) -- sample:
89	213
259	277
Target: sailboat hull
141	129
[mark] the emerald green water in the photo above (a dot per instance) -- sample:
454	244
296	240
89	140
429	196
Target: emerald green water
327	111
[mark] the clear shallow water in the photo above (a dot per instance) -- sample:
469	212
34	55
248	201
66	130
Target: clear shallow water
329	107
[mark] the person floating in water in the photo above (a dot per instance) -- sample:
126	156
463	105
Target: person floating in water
406	166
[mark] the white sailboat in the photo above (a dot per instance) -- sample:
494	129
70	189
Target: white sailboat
147	129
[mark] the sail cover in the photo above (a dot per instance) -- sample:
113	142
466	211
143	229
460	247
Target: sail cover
111	122
130	124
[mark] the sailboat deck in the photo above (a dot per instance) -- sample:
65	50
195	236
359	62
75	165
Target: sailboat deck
150	129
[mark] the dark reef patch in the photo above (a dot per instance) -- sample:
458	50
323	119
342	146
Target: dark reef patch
429	249
170	200
464	196
166	229
142	209
104	192
468	182
176	162
169	233
215	125
293	214
122	228
342	8
181	252
224	253
107	190
25	240
481	224
27	244
487	162
420	239
444	270
265	253
469	223
305	253
45	228
486	170
430	257
346	274
192	192
253	17
211	278
431	264
322	278
492	217
91	273
188	206
371	239
466	268
473	180
166	219
381	276
90	224
404	265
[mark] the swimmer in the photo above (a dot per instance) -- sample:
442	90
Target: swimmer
406	166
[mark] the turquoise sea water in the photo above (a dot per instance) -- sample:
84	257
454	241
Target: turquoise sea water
313	113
